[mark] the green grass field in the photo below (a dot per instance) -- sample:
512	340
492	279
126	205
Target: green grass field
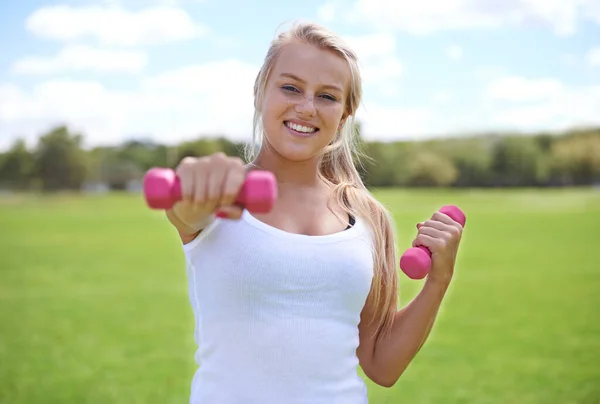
94	305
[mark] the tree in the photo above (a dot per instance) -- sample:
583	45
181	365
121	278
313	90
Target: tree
16	168
117	171
386	163
208	146
519	161
60	160
430	169
576	159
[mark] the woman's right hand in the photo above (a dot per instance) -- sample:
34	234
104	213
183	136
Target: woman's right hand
209	185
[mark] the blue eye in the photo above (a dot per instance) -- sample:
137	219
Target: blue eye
289	88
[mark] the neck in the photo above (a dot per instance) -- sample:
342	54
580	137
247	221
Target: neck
295	173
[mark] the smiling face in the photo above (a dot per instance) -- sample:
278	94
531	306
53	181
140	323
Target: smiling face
304	101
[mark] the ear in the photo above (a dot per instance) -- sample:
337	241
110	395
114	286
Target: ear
342	122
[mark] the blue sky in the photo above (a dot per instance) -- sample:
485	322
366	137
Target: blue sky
178	69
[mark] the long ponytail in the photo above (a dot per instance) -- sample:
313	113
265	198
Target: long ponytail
338	168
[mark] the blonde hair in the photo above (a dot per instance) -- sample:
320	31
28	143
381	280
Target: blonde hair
337	165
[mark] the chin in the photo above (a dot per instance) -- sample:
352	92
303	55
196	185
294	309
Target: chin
294	153
292	148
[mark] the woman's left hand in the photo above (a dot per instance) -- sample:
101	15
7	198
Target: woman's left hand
441	235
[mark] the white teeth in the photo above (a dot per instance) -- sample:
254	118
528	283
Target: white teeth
300	128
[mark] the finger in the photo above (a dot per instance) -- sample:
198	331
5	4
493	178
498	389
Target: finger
432	243
444	218
236	176
435	224
214	187
455	229
230	212
199	181
446	223
435	233
187	187
186	182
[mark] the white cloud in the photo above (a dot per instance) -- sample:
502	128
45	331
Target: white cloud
593	57
575	107
454	52
442	97
427	16
486	73
384	75
380	66
212	98
372	47
113	25
83	58
208	99
384	122
327	11
100	111
216	98
11	101
137	3
510	103
540	104
217	77
175	3
520	89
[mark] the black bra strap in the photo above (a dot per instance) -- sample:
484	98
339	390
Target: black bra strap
352	221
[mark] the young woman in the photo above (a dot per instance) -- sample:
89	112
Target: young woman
288	304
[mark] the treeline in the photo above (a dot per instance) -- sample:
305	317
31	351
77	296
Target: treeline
59	162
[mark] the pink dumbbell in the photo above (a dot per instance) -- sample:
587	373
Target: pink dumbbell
416	261
162	190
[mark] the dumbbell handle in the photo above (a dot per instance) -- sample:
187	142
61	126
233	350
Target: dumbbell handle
162	189
416	261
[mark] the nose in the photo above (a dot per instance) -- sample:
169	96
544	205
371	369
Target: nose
306	106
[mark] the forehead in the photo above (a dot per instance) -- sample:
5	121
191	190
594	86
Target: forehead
313	65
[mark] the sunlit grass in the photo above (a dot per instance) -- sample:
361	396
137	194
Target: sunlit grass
94	309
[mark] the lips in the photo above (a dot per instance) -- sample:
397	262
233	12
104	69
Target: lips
299	129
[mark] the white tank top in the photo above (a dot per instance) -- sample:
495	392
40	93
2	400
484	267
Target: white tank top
277	313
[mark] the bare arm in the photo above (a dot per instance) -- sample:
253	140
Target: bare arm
385	357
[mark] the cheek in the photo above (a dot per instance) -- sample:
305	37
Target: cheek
273	106
332	115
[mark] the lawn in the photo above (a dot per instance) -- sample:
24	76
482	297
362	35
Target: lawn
94	305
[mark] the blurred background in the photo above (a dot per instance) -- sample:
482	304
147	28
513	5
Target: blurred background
493	106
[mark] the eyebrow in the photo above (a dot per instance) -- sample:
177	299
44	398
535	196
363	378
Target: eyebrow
293	76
